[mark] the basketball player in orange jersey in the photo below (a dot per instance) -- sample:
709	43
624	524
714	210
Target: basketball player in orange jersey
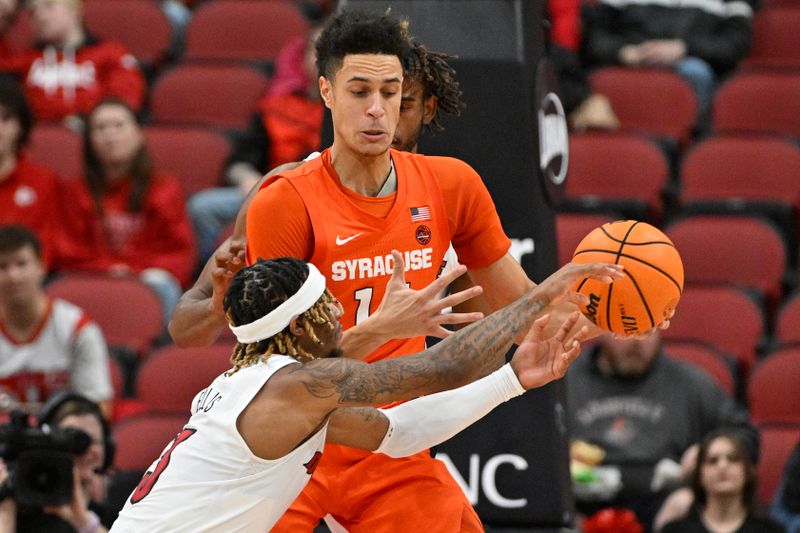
429	89
344	212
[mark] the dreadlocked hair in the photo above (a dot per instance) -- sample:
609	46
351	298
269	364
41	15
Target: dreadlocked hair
438	79
256	291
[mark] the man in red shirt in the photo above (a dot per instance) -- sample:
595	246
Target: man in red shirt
28	192
69	71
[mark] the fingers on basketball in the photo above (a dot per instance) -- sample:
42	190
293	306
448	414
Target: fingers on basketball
646	296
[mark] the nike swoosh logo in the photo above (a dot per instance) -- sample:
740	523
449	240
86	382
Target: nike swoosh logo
340	241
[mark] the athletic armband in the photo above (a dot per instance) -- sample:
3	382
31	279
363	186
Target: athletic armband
419	424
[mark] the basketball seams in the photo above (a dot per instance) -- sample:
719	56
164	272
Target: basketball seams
616	239
611	240
644	301
642	261
622	244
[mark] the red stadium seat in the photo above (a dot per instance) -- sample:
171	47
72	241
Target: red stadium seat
141	439
571	228
706	358
787	323
139	25
776	41
777	443
57	148
744	174
773	390
727	318
251	30
128	311
655	101
222	96
170	377
197	156
740	250
761	102
742	168
620	172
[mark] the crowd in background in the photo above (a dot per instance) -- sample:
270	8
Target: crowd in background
126	216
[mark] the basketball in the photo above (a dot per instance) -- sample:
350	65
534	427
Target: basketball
653	279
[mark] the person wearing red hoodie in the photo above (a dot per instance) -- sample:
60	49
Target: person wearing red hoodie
124	216
28	192
69	71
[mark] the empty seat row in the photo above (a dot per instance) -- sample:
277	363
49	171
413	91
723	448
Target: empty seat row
716	249
728	174
658	102
244	30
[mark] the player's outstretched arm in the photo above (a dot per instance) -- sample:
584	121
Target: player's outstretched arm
424	422
198	318
504	280
467	355
300	398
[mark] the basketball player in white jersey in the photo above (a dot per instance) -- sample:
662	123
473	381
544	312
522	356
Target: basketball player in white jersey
257	432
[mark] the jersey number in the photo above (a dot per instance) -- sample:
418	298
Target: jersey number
149	479
364	298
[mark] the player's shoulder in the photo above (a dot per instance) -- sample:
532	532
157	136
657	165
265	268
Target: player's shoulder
435	162
310	167
452	174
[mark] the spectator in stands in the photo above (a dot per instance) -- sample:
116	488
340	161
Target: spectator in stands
8	13
28	192
584	109
785	507
286	128
622	398
723	484
125	217
702	41
69	71
45	345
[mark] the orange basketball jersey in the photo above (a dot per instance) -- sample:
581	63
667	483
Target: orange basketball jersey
352	248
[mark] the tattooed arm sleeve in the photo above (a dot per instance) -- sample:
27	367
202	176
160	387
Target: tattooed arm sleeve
417	425
469	354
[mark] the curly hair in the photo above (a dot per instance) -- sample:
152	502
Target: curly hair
259	289
360	32
438	79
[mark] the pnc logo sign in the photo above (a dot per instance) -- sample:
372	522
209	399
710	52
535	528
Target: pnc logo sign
483	478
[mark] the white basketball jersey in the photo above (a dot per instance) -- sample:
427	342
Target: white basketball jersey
207	479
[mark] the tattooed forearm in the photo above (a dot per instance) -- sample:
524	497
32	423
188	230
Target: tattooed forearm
469	354
357	382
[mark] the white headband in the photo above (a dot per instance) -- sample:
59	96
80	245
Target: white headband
276	320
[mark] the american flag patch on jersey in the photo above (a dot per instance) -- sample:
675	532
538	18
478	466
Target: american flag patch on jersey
418	214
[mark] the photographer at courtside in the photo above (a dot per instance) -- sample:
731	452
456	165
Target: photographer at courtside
52	473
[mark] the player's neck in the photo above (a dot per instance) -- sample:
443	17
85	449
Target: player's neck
361	174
